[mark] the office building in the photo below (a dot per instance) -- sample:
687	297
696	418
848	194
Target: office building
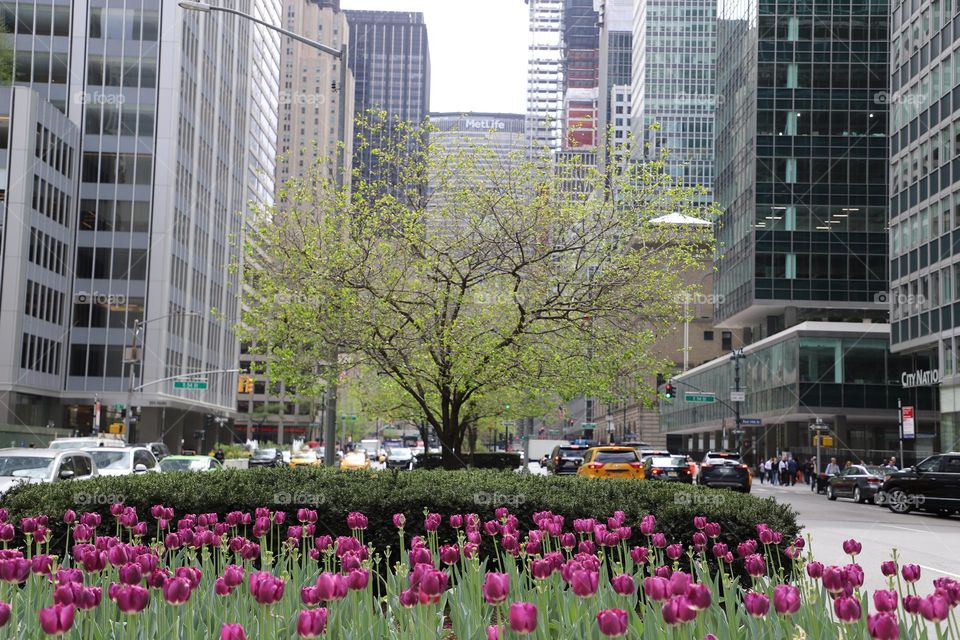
801	179
164	102
924	98
545	74
616	57
39	153
389	56
581	75
674	87
316	114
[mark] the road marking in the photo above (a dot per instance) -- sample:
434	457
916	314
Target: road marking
893	526
955	575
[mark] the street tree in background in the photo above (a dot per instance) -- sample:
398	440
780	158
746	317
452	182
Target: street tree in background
506	275
6	56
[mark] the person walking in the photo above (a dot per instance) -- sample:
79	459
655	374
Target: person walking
782	467
891	465
833	468
761	471
814	467
792	470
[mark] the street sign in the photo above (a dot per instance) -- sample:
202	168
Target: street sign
751	422
909	430
700	397
825	441
738	396
738	432
190	384
588	425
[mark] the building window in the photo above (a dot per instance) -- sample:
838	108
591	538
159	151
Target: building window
726	341
708	336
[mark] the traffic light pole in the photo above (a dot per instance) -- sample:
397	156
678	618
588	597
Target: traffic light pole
738	429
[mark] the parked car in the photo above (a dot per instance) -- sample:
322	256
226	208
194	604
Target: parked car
611	462
669	468
399	458
159	449
305	458
566	459
266	458
105	440
724	469
932	485
123	461
190	463
356	460
43	465
860	482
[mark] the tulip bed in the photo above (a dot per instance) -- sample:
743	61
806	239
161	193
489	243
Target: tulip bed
204	576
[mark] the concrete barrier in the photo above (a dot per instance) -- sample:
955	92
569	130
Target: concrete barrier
237	463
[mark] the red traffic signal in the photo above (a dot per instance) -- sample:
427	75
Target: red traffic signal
669	391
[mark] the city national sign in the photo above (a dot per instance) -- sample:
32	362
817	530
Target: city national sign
920	378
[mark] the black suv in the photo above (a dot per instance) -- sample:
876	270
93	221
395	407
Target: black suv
724	469
266	458
931	485
566	459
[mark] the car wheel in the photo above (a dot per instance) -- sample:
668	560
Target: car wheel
899	502
856	495
831	494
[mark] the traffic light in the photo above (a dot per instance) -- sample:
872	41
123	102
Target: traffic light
208	421
669	391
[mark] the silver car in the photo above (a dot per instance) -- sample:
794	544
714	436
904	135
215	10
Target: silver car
44	465
123	461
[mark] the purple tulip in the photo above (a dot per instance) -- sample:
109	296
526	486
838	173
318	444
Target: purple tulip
57	620
847	609
624	584
612	622
934	608
523	617
176	591
910	572
888	568
815	569
232	632
656	588
495	588
852	547
755	565
674	551
883	626
756	604
786	599
834	579
584	583
699	522
677	610
659	540
712	529
885	600
312	623
4	613
699	596
131	598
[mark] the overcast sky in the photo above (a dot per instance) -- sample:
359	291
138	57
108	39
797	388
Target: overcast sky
478	51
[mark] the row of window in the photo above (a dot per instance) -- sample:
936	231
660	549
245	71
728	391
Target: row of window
118	313
124	24
122	168
52	150
42	20
108	215
41	67
44	303
48	252
930	222
51	202
40	354
114	71
124	120
104	262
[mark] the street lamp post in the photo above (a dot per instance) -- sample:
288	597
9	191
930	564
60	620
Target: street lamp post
134	356
330	430
609	428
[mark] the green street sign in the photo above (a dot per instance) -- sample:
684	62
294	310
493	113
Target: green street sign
705	398
190	384
118	407
589	425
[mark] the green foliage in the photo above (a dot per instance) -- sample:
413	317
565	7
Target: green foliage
509	278
233	450
381	494
6	56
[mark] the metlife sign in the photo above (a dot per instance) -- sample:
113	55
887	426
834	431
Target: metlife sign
484	124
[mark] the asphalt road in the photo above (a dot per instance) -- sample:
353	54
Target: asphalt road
920	538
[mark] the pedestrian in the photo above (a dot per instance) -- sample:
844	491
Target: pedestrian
783	468
833	469
847	464
814	467
892	464
761	471
792	471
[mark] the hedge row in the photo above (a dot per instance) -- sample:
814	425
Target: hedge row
381	494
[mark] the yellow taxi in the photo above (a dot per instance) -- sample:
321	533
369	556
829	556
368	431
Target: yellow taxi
611	462
357	460
305	458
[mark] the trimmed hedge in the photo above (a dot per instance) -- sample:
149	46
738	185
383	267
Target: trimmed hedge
381	494
499	460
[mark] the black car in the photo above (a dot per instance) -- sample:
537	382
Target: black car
566	459
860	482
724	469
266	458
932	485
669	468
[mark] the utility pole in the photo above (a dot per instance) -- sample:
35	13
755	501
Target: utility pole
738	427
330	417
900	421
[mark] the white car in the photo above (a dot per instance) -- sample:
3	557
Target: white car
43	465
88	442
123	461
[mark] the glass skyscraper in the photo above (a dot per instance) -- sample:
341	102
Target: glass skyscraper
545	74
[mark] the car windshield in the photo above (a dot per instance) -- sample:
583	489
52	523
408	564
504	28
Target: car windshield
672	461
115	460
305	456
38	467
265	453
608	457
184	464
572	453
356	457
930	464
875	471
399	452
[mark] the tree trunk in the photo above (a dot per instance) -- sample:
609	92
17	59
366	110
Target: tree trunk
450	450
